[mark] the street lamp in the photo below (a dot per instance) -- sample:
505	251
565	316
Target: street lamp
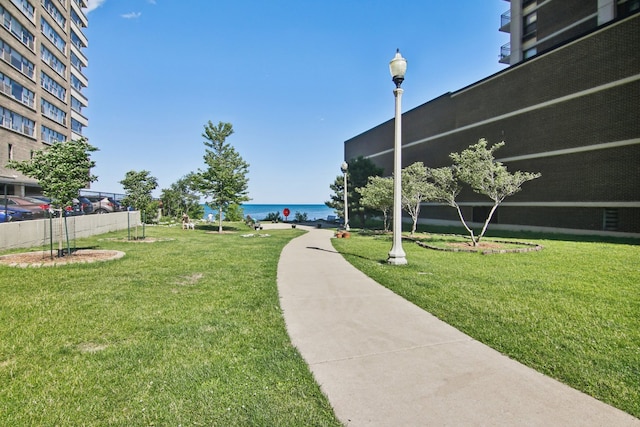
344	168
398	68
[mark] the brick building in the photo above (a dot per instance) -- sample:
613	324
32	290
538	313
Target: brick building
568	107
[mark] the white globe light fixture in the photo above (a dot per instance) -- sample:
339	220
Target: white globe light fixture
398	68
344	168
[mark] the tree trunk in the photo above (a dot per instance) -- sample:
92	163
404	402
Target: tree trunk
464	223
486	223
220	219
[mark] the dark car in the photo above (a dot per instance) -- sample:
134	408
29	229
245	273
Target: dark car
15	213
37	207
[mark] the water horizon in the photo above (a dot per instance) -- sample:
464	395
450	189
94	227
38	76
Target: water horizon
259	211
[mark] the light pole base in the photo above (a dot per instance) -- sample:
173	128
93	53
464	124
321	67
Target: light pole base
397	259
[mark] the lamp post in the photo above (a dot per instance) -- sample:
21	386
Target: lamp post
344	168
398	68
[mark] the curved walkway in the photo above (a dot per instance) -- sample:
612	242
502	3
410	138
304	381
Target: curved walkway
382	361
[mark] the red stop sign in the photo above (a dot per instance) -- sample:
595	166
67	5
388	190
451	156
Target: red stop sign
286	211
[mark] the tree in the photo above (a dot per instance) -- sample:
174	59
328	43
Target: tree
138	187
477	167
225	179
181	197
61	170
378	195
415	190
358	173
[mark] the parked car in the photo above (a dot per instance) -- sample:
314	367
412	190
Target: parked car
15	213
36	206
103	205
81	205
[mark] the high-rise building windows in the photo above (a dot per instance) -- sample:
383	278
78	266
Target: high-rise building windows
15	90
53	61
52	86
54	12
76	83
76	105
530	25
76	126
25	7
52	35
51	111
12	24
50	136
16	122
18	61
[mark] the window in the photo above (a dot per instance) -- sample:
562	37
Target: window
76	83
530	25
16	122
530	52
54	12
53	61
12	24
18	61
75	39
15	90
51	34
50	136
51	111
76	126
52	86
76	105
25	7
10	151
75	18
75	61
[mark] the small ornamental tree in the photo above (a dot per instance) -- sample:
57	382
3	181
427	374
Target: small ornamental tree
477	167
378	195
138	187
415	190
225	178
61	170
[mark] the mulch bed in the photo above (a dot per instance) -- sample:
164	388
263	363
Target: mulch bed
44	259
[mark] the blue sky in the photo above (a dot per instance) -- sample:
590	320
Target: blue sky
296	78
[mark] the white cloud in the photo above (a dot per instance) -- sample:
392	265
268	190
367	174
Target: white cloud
151	1
93	4
131	15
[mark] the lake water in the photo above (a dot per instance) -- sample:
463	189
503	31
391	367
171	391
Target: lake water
259	212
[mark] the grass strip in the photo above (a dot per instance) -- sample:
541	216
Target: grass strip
186	331
570	311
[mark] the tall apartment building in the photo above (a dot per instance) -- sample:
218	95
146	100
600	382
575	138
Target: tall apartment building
538	26
567	106
41	81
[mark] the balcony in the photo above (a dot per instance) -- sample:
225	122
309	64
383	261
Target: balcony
505	22
505	53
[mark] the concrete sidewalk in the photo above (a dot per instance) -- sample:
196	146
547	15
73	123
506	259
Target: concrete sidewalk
382	361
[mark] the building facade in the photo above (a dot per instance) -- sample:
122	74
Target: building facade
570	111
42	81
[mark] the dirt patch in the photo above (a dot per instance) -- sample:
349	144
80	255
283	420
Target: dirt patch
89	347
44	259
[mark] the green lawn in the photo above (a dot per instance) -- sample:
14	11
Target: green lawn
571	311
181	332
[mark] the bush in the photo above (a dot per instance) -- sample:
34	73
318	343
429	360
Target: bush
301	217
233	212
273	216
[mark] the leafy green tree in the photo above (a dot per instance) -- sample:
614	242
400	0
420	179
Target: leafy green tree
181	197
358	173
378	195
233	212
138	187
224	180
415	189
61	170
477	167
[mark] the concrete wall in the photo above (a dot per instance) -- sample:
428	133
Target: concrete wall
35	233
